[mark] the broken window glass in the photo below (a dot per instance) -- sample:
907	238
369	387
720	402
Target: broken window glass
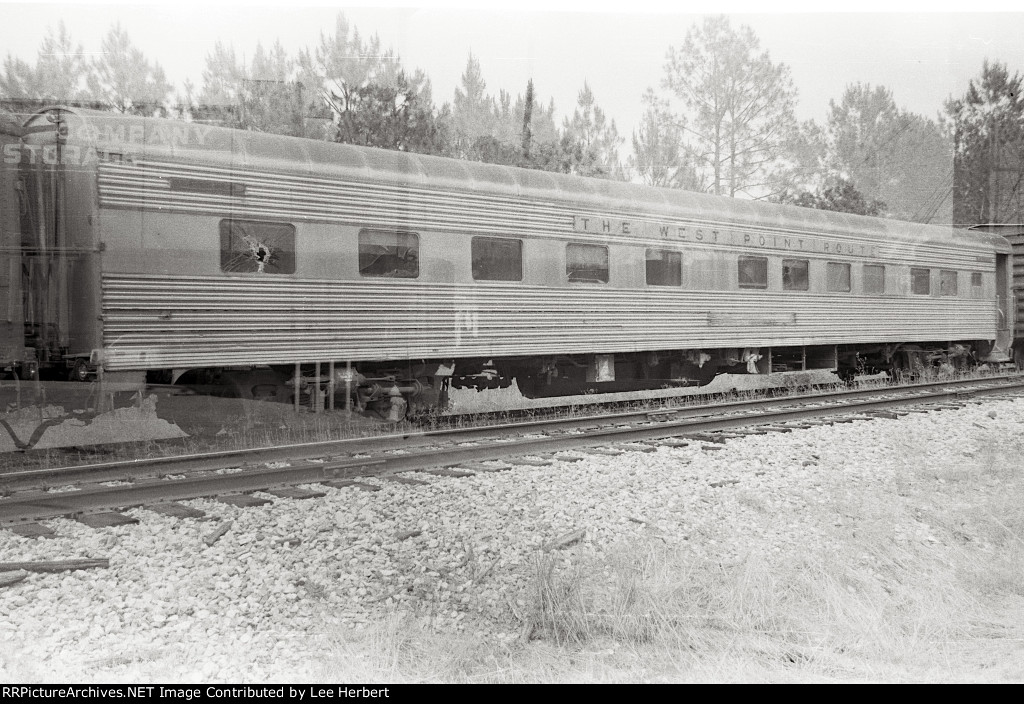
247	246
389	254
794	274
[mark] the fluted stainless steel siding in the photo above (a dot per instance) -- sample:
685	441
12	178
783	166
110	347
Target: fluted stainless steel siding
190	319
156	321
144	185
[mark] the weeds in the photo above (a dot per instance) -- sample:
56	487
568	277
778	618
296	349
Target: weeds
232	424
556	605
922	584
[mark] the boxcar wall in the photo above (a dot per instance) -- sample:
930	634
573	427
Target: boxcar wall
210	248
12	324
51	250
1014	304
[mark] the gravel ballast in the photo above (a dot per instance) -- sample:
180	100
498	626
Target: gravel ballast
265	601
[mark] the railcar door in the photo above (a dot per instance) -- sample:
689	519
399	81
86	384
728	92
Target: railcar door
59	284
1006	303
1004	293
12	324
43	242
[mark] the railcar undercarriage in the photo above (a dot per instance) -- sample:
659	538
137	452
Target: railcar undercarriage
393	391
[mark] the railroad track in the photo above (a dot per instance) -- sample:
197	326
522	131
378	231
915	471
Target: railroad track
90	491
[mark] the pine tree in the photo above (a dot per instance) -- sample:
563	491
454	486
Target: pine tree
739	107
392	116
58	77
473	111
372	100
528	121
220	100
590	141
988	124
660	157
125	81
839	195
891	154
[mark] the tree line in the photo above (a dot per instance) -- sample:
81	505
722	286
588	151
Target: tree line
722	120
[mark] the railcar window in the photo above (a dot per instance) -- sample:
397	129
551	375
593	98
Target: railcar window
389	254
947	282
921	281
837	277
794	274
247	246
664	268
976	279
586	263
874	278
753	272
497	259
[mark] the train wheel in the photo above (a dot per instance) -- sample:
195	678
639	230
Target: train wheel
909	365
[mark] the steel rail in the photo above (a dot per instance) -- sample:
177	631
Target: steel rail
140	468
34	506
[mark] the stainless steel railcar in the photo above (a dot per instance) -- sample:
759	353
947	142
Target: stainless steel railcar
199	254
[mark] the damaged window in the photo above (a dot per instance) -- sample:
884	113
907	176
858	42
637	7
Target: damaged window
497	259
794	274
389	254
257	247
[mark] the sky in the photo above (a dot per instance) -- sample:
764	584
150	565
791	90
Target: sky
619	48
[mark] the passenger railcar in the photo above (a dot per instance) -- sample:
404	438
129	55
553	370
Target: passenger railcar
202	255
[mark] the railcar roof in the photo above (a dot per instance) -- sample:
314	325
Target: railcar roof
202	144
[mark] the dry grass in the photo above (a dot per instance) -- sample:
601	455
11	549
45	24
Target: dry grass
873	602
922	579
867	601
659	616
